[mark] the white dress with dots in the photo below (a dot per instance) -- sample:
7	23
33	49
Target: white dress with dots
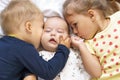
73	69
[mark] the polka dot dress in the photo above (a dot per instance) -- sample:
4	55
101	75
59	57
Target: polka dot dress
106	46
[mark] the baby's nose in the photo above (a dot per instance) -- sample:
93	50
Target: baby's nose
53	33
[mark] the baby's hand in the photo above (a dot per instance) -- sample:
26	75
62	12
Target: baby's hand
65	41
76	41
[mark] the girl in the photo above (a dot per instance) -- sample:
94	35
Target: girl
91	21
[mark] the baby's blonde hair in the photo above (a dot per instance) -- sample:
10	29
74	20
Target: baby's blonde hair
17	12
107	7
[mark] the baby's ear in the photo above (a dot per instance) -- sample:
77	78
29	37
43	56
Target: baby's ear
28	26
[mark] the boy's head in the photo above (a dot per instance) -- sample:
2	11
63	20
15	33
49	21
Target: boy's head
54	28
22	19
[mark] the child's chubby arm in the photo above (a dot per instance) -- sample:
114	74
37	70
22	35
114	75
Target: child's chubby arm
91	62
30	77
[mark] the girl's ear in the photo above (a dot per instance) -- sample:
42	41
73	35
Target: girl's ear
28	26
91	14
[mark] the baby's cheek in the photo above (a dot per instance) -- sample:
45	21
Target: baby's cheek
65	36
57	38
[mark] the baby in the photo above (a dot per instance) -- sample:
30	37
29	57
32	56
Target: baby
54	28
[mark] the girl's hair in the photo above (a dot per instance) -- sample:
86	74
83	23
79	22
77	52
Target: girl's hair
107	7
17	12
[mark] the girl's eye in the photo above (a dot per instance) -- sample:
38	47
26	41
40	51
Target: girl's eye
74	24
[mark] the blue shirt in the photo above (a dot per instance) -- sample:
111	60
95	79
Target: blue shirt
16	55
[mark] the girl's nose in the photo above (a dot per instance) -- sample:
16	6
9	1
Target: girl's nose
75	31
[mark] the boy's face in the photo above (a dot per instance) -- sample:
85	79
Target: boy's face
53	29
82	25
37	31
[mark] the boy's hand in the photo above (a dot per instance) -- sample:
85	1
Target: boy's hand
65	41
30	77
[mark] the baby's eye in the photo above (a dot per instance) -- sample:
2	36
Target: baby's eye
47	30
60	31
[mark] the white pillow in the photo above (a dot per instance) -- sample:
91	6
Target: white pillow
48	7
3	4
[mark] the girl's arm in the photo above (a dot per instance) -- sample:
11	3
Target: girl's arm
91	63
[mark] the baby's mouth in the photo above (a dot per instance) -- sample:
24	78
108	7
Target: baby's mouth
53	41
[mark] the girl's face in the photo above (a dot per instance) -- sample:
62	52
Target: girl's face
82	25
53	29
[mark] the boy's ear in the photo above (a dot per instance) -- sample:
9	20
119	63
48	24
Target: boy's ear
28	26
91	14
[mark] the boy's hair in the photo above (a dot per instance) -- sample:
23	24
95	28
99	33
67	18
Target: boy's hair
107	7
17	12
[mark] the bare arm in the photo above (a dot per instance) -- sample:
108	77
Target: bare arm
91	63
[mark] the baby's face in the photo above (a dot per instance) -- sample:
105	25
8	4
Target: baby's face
53	29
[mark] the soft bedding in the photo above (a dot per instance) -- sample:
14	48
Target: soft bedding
48	7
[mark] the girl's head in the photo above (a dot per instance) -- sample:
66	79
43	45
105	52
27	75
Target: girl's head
86	16
107	7
54	28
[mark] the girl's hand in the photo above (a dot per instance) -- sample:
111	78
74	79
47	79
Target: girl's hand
65	41
76	41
